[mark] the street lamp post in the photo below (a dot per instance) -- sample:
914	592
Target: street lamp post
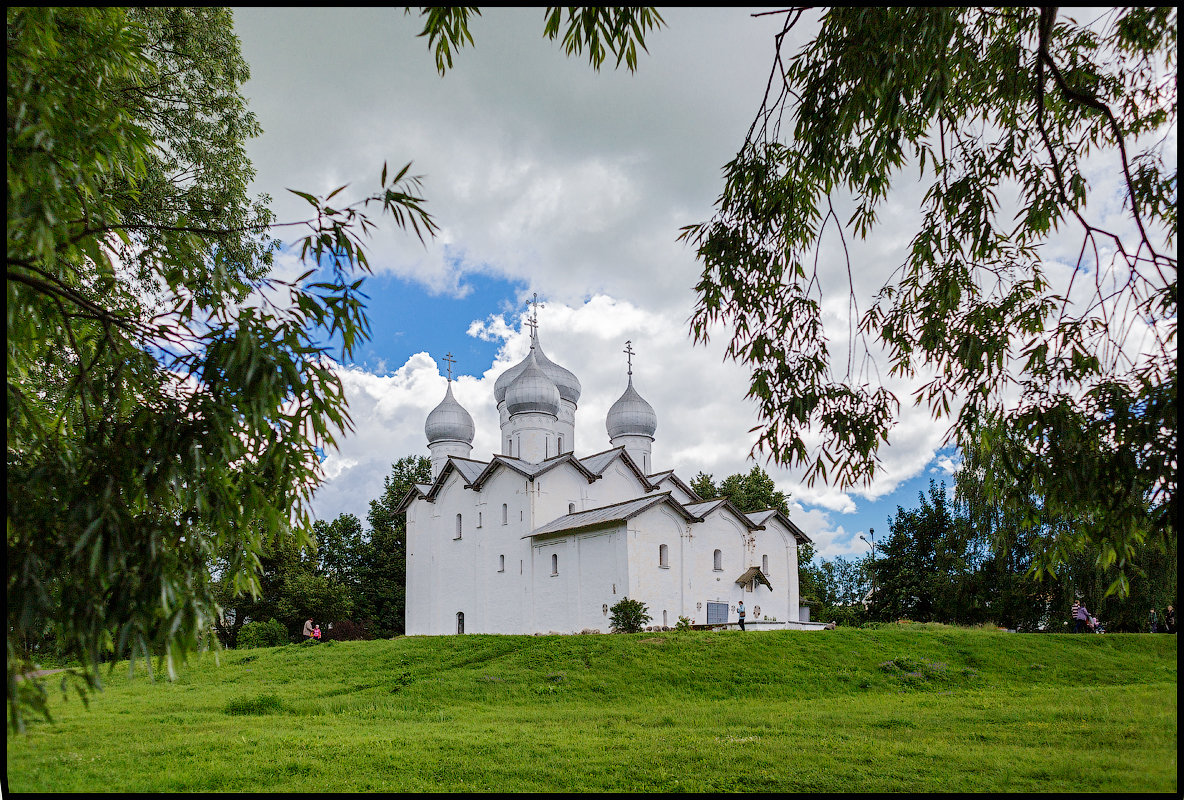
872	532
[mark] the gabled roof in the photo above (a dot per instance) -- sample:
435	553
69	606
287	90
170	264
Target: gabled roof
529	469
606	515
416	492
475	473
657	478
762	517
754	572
721	504
466	468
597	463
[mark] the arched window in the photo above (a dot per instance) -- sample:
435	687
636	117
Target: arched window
478	519
719	560
663	556
509	446
571	508
458	527
554	564
765	564
560	444
505	513
460	622
501	563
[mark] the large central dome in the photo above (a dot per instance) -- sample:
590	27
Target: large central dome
565	381
532	391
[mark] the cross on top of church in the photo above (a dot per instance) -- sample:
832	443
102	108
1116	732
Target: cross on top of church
533	321
450	361
629	353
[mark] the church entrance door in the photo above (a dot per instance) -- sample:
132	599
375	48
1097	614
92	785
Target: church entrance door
717	613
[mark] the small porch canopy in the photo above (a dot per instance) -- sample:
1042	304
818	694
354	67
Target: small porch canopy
754	572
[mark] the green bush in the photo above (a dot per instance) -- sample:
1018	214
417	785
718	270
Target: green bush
684	624
629	616
262	634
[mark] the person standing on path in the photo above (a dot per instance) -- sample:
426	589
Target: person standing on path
307	629
1153	622
1169	619
740	611
1080	617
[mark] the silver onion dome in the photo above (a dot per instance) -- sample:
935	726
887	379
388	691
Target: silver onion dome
565	381
532	390
631	415
449	422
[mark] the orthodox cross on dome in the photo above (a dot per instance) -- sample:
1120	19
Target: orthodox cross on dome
629	353
450	361
532	321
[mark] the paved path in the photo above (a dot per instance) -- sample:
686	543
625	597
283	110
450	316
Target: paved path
37	673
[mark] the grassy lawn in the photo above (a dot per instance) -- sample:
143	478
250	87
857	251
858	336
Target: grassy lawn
912	708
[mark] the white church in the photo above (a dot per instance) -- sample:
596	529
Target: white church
537	539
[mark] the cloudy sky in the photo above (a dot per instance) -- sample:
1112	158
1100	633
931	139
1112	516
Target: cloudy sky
547	177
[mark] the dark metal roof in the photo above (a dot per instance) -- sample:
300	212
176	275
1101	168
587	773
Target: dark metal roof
657	478
762	518
606	515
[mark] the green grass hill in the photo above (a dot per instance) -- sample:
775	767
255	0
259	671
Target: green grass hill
898	708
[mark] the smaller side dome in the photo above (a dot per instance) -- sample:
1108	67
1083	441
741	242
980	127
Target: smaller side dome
449	422
631	415
533	391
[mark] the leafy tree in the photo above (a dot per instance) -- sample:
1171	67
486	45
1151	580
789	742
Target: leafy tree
619	31
338	549
263	634
382	567
292	587
923	570
1074	366
1014	591
754	491
156	417
703	485
628	616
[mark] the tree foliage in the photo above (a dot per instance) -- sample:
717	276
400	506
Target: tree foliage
382	564
1013	119
923	569
964	560
602	30
628	616
165	400
748	492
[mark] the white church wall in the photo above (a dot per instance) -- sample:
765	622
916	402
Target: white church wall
716	532
668	485
779	544
600	556
616	483
418	572
558	488
501	577
662	587
554	578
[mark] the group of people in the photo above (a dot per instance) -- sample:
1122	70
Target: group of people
1084	621
1169	620
312	633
